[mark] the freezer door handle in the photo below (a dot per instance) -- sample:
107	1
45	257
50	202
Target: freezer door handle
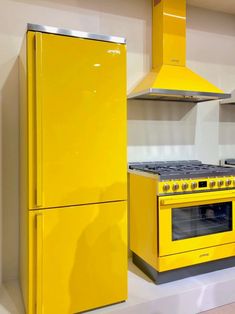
38	94
39	262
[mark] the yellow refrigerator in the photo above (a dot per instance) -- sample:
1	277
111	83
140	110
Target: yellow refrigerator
73	184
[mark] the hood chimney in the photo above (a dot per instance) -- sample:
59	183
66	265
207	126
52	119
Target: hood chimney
169	78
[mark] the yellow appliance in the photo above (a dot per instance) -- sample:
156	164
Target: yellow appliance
170	78
73	189
181	218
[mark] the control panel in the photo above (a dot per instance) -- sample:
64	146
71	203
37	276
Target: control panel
193	185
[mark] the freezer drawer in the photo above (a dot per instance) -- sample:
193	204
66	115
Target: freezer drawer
77	258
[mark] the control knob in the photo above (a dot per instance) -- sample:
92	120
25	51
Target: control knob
220	183
175	186
166	187
184	186
194	185
228	182
212	184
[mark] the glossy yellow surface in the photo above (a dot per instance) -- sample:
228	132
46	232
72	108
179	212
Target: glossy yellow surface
169	69
80	257
151	226
29	120
143	217
197	189
169	33
23	186
73	152
80	130
185	259
167	203
176	78
39	76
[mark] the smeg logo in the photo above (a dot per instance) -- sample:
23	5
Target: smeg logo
175	60
204	255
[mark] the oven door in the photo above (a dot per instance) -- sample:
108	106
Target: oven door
194	221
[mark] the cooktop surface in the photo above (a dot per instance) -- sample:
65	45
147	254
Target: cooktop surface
182	169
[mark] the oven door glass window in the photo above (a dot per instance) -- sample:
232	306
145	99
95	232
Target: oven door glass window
196	221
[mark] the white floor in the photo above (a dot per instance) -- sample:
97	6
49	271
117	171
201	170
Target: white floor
188	296
10	299
226	309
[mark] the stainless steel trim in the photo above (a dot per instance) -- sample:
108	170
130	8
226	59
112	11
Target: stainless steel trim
177	95
228	101
228	162
74	33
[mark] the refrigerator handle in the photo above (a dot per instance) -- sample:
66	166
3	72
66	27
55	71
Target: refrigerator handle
39	262
38	93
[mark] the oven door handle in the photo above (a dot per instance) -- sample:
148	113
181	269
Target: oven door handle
176	200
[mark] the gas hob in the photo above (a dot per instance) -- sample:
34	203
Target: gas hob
187	176
181	169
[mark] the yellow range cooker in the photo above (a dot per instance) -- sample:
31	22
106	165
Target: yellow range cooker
181	218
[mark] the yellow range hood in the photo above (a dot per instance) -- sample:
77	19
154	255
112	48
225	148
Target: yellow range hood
170	79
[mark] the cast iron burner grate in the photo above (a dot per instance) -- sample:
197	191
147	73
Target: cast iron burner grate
182	169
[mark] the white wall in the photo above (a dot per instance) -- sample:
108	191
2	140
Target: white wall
155	130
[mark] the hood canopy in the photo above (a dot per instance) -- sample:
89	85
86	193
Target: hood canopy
170	79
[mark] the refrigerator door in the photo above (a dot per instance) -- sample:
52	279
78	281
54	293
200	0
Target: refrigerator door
78	257
77	121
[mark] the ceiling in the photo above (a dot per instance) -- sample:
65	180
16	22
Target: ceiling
227	6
